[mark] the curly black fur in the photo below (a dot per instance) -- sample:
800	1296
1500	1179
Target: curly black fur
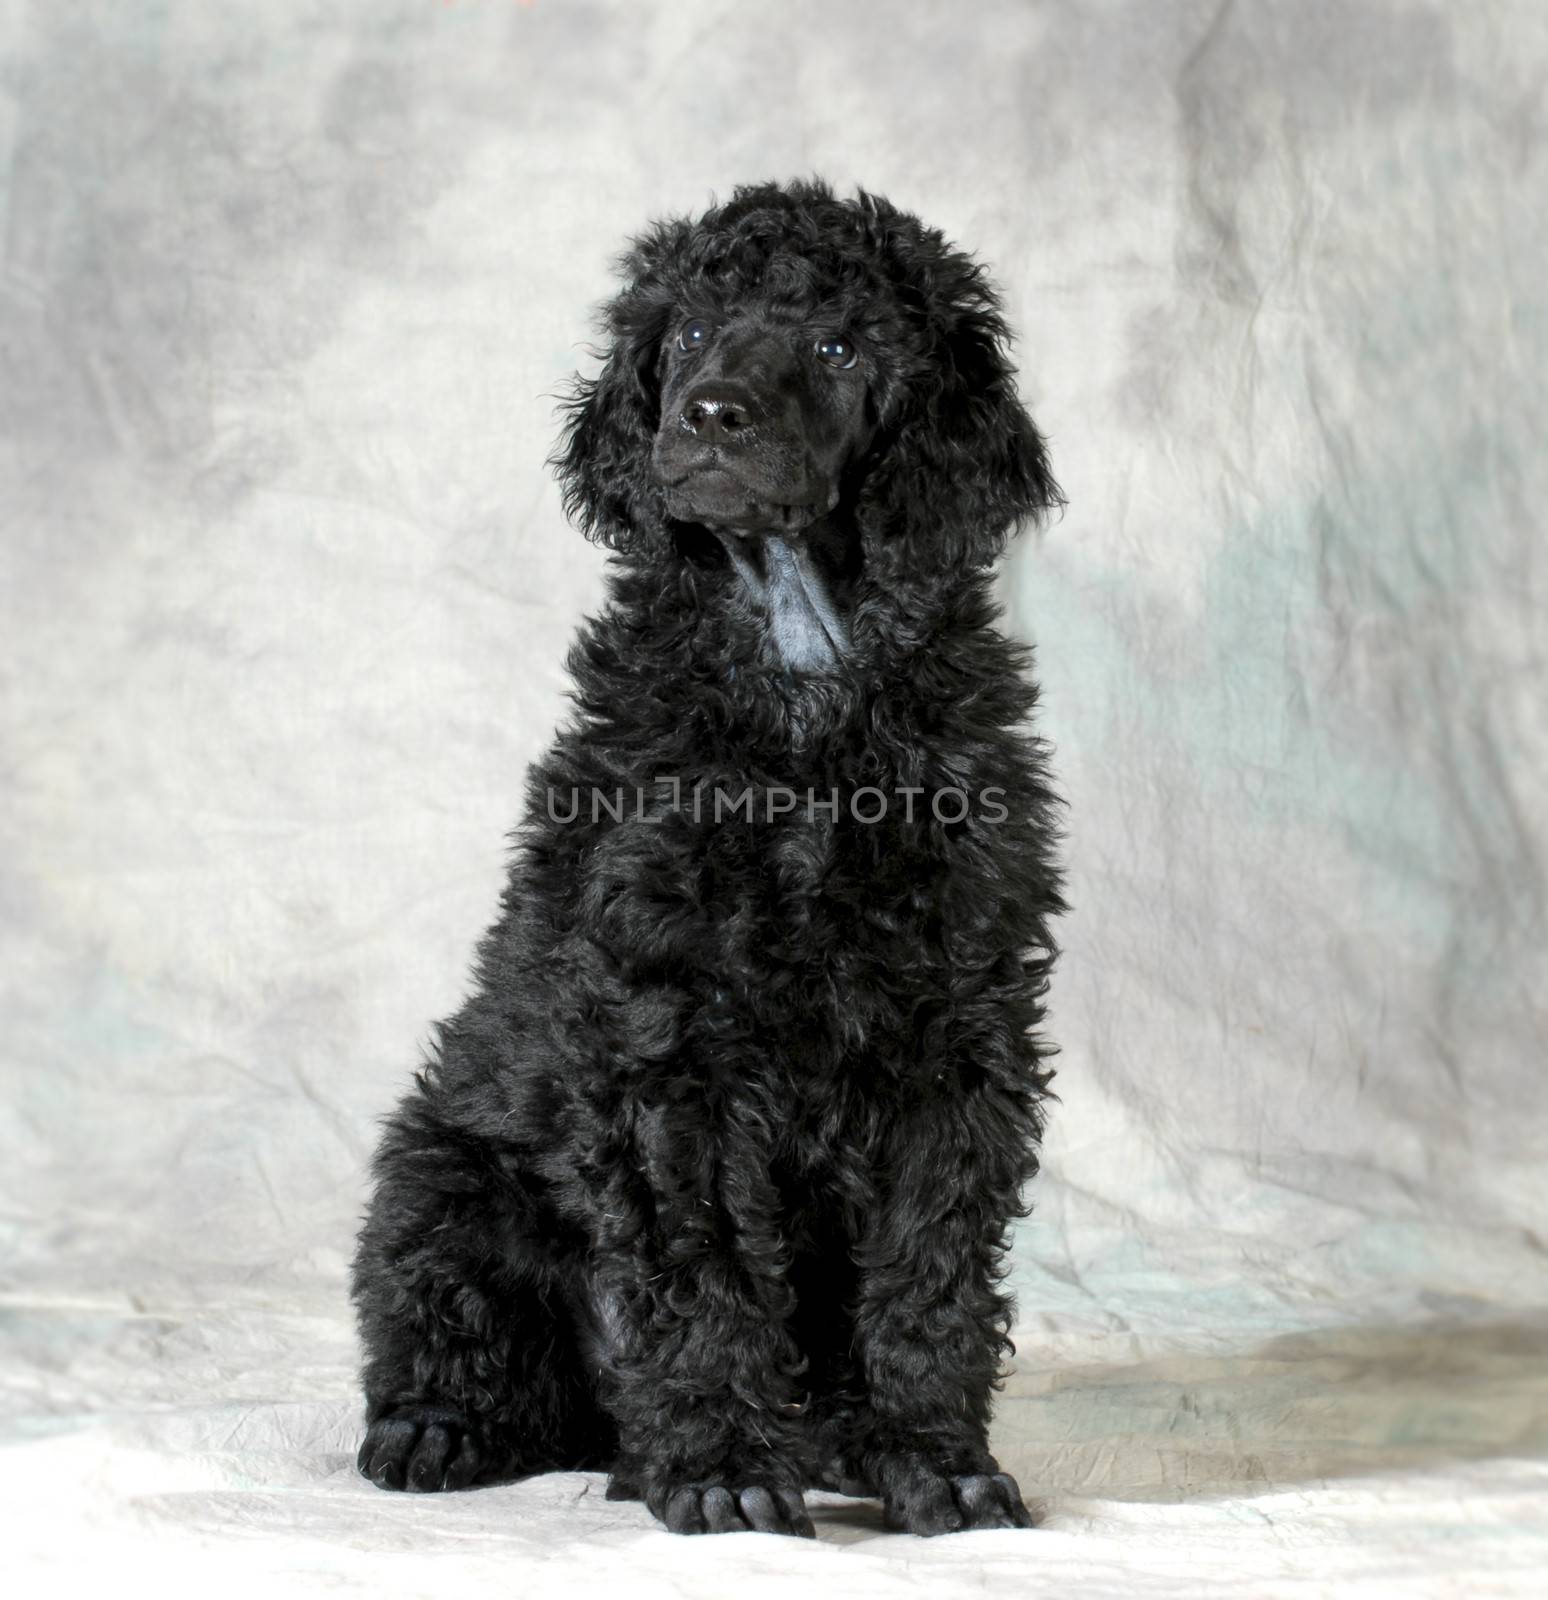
709	1183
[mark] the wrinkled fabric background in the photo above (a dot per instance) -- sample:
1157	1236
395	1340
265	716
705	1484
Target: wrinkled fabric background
287	294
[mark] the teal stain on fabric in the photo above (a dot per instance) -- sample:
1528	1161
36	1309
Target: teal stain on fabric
103	1025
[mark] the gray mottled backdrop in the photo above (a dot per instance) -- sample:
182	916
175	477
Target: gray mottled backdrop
286	294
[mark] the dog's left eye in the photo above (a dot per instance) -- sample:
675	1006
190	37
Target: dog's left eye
693	334
836	351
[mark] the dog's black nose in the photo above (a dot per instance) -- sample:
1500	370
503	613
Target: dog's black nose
719	414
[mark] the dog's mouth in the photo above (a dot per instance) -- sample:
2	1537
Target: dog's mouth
718	498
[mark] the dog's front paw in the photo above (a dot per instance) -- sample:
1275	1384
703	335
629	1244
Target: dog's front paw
925	1501
728	1508
423	1448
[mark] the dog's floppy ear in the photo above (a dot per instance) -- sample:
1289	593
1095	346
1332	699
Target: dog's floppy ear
961	466
603	455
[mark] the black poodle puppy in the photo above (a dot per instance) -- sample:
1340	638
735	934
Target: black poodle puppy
709	1183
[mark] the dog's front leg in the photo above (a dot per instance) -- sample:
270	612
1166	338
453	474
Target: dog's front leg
931	1322
698	1367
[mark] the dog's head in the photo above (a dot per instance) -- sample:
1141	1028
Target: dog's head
793	359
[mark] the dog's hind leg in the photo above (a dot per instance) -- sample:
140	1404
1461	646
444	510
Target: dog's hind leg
473	1368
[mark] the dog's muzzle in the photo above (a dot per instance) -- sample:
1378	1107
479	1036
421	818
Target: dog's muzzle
726	462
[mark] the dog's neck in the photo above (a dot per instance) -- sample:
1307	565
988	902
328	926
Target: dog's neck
795	594
800	585
812	611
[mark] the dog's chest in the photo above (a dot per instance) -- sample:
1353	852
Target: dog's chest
814	936
787	905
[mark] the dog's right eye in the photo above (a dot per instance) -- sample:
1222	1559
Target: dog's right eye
693	334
